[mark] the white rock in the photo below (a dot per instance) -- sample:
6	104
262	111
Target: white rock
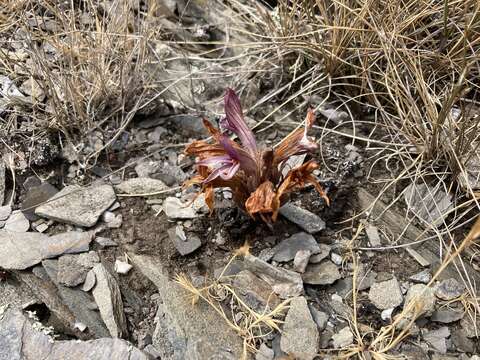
174	208
387	314
122	267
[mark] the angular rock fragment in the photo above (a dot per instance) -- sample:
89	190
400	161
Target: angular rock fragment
73	269
105	242
324	273
77	302
185	244
386	294
305	219
288	248
90	281
447	315
323	254
285	283
300	333
78	206
109	300
301	259
437	339
143	185
449	289
423	277
5	212
122	267
23	250
373	236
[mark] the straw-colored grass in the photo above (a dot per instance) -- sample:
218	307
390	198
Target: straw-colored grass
88	57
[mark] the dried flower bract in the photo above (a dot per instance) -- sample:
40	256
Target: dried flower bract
254	175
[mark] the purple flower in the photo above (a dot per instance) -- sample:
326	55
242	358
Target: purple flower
234	122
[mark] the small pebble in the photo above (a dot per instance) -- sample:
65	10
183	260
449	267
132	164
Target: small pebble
122	267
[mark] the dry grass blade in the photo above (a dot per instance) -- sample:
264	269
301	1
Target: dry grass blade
252	326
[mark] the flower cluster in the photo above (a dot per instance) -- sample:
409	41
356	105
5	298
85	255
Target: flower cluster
254	175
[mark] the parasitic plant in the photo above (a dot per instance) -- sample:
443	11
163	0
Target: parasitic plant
253	174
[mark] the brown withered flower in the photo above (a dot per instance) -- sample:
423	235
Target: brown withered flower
254	175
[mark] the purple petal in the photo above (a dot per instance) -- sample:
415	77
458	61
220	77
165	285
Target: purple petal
305	144
247	162
234	121
226	172
216	160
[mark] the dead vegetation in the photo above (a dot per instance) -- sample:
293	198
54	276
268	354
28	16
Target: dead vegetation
87	60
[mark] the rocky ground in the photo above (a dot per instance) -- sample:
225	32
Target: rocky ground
122	258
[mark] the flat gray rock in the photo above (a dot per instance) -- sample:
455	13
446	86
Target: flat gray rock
17	222
185	244
463	343
78	206
171	175
109	300
300	337
437	339
423	277
104	242
449	289
143	185
373	235
324	273
447	316
288	248
386	294
23	250
305	219
186	331
264	353
19	340
285	283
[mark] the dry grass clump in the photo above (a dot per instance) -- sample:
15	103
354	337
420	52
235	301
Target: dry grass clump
85	62
382	344
411	67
